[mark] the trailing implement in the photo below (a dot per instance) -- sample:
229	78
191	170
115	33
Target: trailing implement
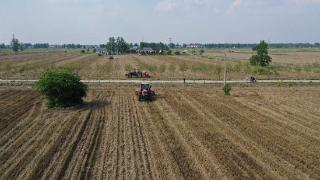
138	74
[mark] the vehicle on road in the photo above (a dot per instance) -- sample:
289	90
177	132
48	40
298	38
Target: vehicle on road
253	79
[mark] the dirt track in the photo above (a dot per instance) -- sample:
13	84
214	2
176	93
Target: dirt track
191	133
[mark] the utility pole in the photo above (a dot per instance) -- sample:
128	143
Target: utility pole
225	69
225	75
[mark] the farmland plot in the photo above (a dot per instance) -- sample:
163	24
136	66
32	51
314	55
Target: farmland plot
195	133
210	66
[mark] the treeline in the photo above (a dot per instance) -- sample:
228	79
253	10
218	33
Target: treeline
72	46
36	45
238	45
115	46
155	46
25	45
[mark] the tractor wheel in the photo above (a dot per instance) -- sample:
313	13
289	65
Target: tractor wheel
140	98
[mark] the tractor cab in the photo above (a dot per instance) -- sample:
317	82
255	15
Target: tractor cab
145	86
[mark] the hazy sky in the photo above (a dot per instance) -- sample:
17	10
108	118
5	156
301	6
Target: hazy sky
93	21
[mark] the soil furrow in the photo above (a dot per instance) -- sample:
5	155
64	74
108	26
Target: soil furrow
179	148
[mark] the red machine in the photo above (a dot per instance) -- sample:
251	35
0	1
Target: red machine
138	74
144	92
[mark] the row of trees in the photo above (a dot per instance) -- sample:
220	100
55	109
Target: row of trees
155	46
117	45
16	45
238	45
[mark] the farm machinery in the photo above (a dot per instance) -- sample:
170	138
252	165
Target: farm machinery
138	74
252	79
144	92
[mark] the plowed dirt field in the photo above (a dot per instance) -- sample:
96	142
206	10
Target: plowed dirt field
187	133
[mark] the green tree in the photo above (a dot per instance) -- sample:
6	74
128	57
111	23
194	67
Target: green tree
111	45
226	89
261	58
121	45
15	44
61	87
201	52
21	46
117	45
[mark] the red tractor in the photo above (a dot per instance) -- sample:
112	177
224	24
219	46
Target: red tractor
138	74
145	93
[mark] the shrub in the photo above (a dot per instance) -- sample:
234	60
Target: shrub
177	53
83	51
128	67
61	87
201	52
264	70
226	89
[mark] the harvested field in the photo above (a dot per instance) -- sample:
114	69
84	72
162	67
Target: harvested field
287	64
188	132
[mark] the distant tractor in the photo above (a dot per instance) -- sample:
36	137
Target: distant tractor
111	57
138	74
144	92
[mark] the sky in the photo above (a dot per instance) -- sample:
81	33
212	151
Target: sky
185	21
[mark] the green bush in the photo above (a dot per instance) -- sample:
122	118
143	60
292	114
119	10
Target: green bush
62	88
226	89
128	67
201	52
264	70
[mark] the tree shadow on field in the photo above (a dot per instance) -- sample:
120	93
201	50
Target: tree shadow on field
94	105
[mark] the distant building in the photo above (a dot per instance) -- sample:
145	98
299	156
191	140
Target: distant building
194	46
100	50
134	49
147	50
